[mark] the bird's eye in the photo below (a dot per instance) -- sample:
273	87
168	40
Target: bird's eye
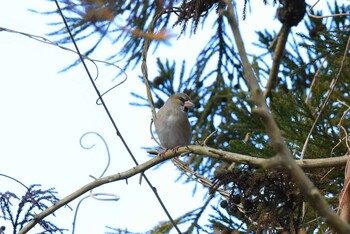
182	99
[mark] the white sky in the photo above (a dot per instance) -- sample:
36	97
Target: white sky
43	115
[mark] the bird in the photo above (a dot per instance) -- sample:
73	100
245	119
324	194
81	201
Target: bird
171	123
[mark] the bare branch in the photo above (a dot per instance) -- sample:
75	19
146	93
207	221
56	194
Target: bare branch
96	183
324	16
208	137
307	99
344	198
277	58
203	150
144	63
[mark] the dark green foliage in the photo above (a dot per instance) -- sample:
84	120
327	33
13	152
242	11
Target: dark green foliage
118	231
226	107
189	217
261	200
94	19
20	211
224	222
194	11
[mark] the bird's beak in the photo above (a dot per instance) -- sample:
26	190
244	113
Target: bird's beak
188	104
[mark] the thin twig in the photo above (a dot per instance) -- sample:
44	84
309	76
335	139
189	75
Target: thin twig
144	62
329	93
314	81
208	137
340	125
309	12
152	135
96	196
202	209
9	177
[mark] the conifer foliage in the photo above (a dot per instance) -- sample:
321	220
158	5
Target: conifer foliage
305	79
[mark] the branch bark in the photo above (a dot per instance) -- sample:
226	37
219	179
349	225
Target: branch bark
277	58
344	198
203	150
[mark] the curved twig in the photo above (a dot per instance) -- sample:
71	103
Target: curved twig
112	197
9	177
110	89
96	196
309	12
91	146
152	135
49	42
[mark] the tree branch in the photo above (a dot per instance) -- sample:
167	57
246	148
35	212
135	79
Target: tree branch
307	188
203	150
144	69
277	58
96	183
344	197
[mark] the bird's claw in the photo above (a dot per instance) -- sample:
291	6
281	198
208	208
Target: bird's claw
175	149
161	154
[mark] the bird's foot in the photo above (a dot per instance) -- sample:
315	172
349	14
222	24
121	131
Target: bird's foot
161	154
176	148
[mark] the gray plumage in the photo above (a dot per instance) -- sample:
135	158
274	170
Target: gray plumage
171	123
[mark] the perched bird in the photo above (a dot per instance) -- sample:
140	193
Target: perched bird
171	123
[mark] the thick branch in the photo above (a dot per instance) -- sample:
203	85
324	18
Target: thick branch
203	150
231	157
277	58
344	198
305	185
98	182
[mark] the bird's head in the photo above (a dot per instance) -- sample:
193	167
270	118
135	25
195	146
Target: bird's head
180	100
